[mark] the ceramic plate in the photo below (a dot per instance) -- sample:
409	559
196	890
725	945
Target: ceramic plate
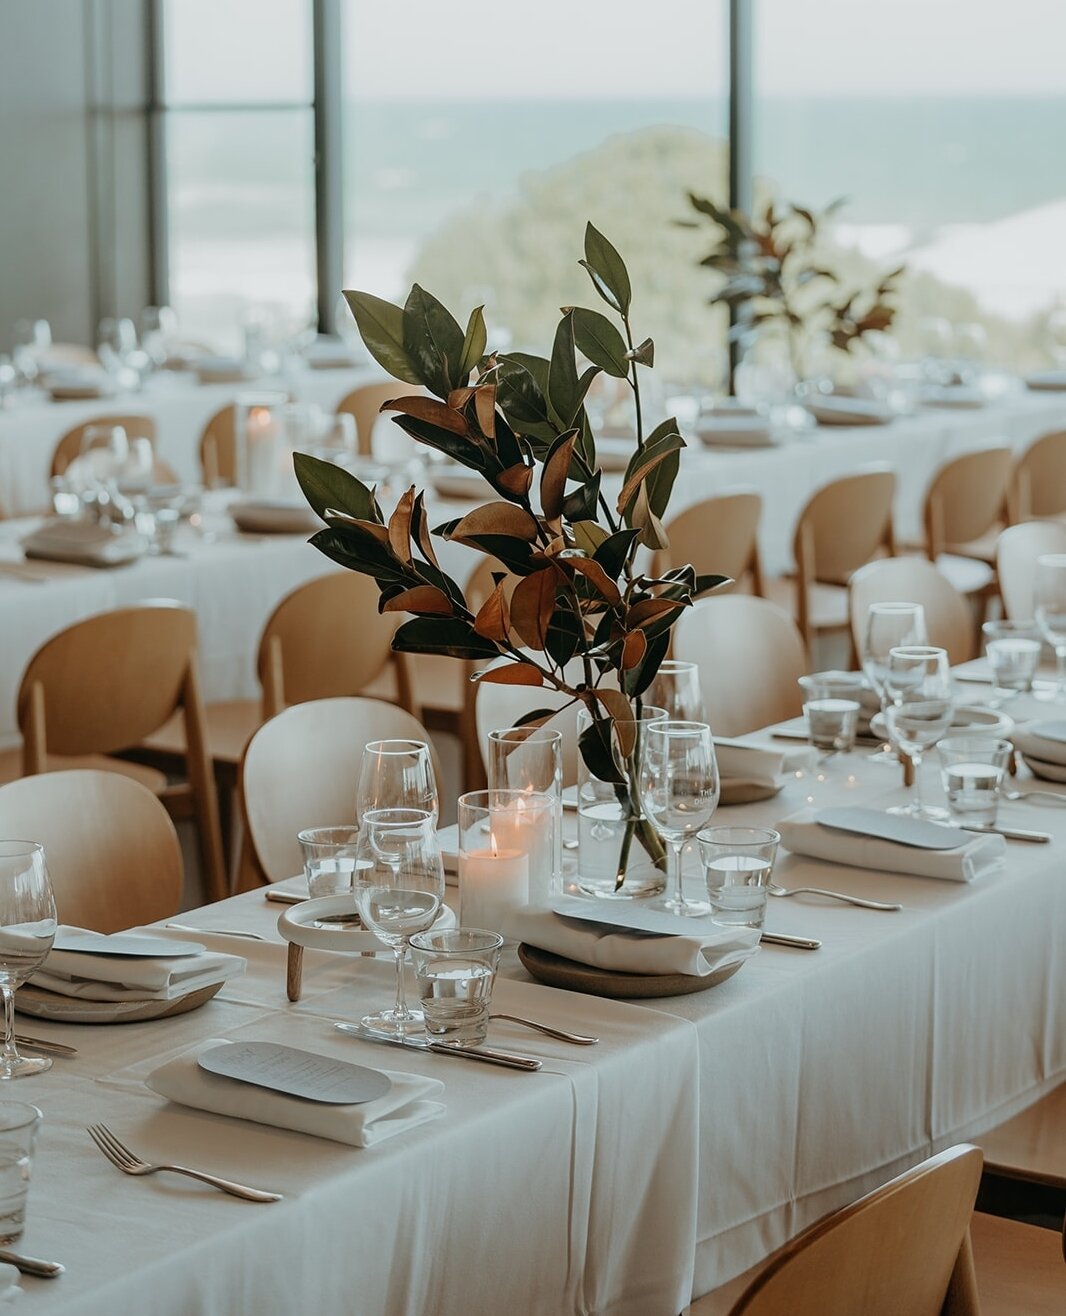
739	790
264	517
60	1009
1044	770
572	976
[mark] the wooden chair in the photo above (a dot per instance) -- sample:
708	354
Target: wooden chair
136	427
965	508
1017	550
300	770
750	655
843	525
1030	1147
1038	481
913	580
112	851
218	449
105	684
718	535
365	403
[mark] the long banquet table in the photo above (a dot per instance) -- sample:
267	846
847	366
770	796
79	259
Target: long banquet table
700	1134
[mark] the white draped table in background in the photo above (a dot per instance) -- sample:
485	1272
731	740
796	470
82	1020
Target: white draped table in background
801	1082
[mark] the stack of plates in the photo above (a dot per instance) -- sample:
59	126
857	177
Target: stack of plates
832	410
954	395
1047	381
221	369
78	384
274	516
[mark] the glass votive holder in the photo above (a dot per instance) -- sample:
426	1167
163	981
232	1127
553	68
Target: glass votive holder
831	723
971	773
455	969
1013	651
330	861
531	759
19	1126
506	854
738	863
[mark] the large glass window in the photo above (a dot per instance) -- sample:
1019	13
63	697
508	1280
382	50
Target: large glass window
238	92
478	142
941	125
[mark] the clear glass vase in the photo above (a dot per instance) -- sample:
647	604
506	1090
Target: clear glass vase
620	857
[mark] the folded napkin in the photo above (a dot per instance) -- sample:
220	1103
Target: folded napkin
10	1291
629	950
115	978
802	834
408	1103
755	763
1044	740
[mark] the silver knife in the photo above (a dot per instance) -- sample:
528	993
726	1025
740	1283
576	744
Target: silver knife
1011	833
784	939
31	1266
41	1044
504	1058
285	897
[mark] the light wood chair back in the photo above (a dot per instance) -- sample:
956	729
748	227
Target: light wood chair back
913	580
301	768
325	639
903	1248
750	656
105	684
1017	550
1038	482
966	499
112	852
136	427
719	535
218	449
364	404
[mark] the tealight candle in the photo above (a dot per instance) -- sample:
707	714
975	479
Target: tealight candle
491	884
526	824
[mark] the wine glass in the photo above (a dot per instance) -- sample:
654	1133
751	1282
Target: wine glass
27	930
679	789
399	889
676	687
396	774
1049	609
921	700
888	625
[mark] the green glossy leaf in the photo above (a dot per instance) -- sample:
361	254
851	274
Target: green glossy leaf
358	552
457	446
326	486
564	636
609	274
580	504
662	444
614	550
637	679
596	744
588	536
521	394
704	584
380	326
600	341
563	396
474	343
433	341
445	635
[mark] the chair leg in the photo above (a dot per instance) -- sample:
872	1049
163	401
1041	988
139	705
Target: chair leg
202	784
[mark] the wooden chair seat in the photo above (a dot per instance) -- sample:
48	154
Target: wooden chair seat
983	549
151	778
229	727
827	605
1020	1268
1032	1145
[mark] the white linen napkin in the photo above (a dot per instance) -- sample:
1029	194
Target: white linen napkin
803	835
1030	743
757	764
113	978
606	946
408	1103
10	1292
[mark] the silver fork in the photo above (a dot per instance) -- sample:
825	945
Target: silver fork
560	1034
831	895
1024	795
129	1162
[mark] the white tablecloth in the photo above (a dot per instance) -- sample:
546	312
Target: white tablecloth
801	1082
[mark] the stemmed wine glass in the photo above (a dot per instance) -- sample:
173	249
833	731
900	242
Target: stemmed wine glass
1049	609
888	626
676	687
27	930
396	774
919	687
679	789
399	889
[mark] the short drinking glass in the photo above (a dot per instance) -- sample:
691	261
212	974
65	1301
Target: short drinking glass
738	863
27	930
831	723
455	969
19	1124
971	772
676	688
1013	652
1049	600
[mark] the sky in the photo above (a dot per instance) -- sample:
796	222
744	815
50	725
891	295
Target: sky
621	49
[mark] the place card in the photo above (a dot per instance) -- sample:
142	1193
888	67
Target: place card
296	1073
629	918
895	827
1049	731
126	945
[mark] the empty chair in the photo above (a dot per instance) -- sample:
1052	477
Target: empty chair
218	449
364	404
1038	482
750	655
1016	554
1031	1146
105	684
301	768
717	536
112	852
965	508
136	427
913	580
843	525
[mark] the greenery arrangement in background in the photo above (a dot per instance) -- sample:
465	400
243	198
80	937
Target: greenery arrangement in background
774	276
523	426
